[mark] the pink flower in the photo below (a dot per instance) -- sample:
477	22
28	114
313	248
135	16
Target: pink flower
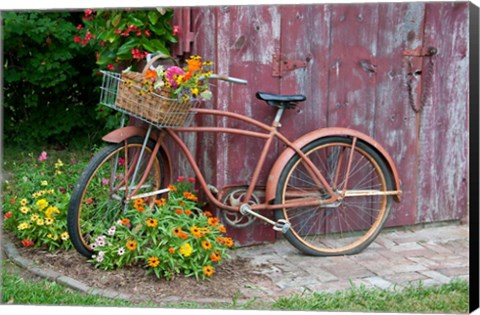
172	73
176	30
105	181
79	27
180	178
43	156
191	180
121	161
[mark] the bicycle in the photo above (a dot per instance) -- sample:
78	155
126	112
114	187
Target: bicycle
331	189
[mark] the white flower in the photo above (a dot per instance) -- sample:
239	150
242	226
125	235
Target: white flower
206	95
160	69
111	231
100	241
99	257
121	251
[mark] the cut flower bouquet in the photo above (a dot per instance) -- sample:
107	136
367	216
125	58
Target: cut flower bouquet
183	84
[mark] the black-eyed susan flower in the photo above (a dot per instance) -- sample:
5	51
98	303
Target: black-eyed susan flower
196	232
131	245
153	261
206	245
208	271
151	222
215	256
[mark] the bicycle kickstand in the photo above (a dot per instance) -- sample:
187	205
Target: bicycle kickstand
280	225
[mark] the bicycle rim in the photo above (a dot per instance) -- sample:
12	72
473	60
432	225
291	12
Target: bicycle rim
349	225
103	199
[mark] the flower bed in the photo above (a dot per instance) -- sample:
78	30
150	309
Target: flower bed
169	237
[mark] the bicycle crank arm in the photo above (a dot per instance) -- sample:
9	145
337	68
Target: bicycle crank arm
280	225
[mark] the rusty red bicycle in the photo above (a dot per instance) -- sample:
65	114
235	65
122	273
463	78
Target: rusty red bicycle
331	189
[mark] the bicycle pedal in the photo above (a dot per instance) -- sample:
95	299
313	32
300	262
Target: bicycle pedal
213	190
282	226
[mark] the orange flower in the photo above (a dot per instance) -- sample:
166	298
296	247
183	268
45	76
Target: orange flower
172	188
222	229
89	201
125	221
160	202
213	221
215	256
151	74
190	196
177	230
188	212
208	213
131	245
183	235
228	241
208	271
196	232
171	250
206	245
152	222
153	261
194	65
178	211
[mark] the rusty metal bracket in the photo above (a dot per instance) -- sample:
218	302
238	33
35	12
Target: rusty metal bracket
420	52
280	65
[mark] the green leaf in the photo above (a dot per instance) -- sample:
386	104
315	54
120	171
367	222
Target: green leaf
155	45
116	20
153	17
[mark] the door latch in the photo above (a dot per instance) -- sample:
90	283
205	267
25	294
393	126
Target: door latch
420	52
280	65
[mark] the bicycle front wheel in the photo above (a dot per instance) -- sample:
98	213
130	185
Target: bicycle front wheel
349	225
99	197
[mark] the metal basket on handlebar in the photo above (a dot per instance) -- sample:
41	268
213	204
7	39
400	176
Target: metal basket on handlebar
125	93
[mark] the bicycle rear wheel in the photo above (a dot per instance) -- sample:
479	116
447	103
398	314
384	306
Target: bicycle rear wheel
99	197
349	225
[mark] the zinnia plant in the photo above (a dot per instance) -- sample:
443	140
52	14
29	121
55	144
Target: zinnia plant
168	237
126	35
37	210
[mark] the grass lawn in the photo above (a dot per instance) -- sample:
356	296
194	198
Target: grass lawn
447	298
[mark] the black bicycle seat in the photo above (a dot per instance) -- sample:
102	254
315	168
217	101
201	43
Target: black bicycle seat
280	100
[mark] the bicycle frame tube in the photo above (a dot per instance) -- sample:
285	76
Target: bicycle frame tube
268	134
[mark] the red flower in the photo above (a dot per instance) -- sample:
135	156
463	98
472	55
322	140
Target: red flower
79	27
13	200
191	180
77	39
8	215
110	67
180	178
89	201
147	33
27	243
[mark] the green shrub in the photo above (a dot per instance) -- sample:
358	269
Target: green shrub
50	92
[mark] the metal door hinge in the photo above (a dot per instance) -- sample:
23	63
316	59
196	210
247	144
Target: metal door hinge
280	65
420	52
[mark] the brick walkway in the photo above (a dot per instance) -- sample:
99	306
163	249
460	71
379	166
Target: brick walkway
430	255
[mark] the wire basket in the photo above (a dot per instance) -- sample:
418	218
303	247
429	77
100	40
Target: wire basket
124	92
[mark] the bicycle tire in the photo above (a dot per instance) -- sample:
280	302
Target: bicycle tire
349	226
95	204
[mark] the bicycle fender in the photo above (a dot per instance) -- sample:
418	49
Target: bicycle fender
288	153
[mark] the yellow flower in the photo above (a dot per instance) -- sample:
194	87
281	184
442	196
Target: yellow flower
59	163
42	204
44	183
64	236
50	211
40	222
24	210
186	250
23	226
23	202
48	221
34	217
206	245
194	91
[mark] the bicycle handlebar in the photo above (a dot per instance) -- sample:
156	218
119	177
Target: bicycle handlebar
227	78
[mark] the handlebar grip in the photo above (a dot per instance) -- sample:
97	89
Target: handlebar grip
227	78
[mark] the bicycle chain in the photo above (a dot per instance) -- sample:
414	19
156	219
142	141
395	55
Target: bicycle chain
427	82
